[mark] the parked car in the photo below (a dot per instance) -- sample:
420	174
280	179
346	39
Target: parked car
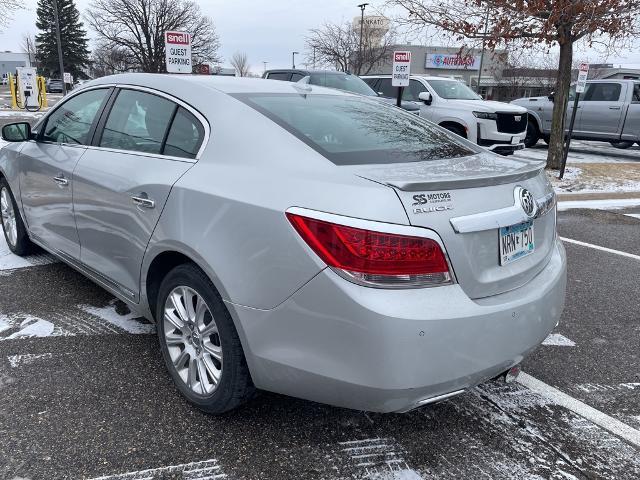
609	111
53	85
332	79
497	126
321	245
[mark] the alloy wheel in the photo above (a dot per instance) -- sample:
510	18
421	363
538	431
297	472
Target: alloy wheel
8	217
193	340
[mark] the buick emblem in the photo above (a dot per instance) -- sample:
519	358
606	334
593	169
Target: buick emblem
528	202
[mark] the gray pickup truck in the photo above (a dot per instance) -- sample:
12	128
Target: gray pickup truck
609	111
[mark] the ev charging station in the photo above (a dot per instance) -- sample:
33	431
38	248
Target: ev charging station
28	90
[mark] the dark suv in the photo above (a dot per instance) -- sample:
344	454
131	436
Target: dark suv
333	79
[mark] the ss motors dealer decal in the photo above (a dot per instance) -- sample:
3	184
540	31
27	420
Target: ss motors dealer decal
432	202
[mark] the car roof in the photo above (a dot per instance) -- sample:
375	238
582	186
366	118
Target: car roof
180	84
308	72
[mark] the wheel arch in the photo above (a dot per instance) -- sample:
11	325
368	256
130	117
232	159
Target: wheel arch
456	124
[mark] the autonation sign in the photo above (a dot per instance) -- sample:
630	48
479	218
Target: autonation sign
452	62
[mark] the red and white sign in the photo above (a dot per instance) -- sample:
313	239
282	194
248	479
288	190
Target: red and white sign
178	52
583	74
401	69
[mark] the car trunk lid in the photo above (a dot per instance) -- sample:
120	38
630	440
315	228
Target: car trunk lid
467	201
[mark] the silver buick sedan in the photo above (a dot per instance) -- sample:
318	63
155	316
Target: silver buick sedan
292	238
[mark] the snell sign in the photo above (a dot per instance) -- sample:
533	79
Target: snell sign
178	52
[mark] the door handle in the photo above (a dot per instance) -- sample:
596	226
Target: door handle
60	180
614	108
143	201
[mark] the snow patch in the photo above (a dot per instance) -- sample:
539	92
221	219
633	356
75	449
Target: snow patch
403	474
557	340
612	204
10	261
27	327
26	359
205	470
128	322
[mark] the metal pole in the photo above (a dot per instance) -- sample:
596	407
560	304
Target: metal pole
484	43
55	14
293	59
362	7
314	58
567	141
265	66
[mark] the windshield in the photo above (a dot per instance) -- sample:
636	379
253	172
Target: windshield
453	90
356	130
342	81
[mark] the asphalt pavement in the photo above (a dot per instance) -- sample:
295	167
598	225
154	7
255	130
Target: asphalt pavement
84	394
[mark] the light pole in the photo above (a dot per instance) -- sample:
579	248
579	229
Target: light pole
61	64
265	66
362	7
484	43
293	59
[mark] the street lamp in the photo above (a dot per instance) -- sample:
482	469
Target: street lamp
362	7
293	59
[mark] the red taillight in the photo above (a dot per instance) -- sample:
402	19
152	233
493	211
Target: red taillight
376	258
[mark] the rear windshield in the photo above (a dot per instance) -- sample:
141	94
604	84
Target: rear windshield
342	81
355	130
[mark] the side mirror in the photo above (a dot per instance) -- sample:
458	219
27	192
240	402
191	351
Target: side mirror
16	132
551	96
425	97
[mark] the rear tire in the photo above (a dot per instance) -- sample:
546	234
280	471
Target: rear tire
533	135
13	227
199	342
622	145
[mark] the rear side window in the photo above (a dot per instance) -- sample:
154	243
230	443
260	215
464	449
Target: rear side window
71	122
603	92
355	130
636	93
185	135
138	121
296	76
279	76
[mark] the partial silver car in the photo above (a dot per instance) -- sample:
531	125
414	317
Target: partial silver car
292	238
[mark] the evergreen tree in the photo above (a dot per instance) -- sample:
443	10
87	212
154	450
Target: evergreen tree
75	53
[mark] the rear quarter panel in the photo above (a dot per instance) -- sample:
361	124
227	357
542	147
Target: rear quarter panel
228	211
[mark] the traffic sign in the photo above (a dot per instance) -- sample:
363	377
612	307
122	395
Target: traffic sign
401	68
178	52
583	74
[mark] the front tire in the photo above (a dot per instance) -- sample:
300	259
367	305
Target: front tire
199	342
533	135
622	145
13	227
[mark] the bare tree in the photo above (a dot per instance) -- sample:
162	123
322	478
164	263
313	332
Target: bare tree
108	59
8	7
338	46
28	46
240	62
137	28
528	23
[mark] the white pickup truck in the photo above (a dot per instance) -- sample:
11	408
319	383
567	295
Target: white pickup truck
497	126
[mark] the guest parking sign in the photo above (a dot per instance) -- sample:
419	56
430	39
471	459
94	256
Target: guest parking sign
178	52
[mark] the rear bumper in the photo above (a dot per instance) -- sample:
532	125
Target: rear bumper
392	350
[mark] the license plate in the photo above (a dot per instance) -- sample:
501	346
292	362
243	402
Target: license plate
516	242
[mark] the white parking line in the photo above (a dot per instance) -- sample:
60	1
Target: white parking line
598	247
609	204
616	427
206	470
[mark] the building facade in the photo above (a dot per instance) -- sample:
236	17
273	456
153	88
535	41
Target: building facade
10	60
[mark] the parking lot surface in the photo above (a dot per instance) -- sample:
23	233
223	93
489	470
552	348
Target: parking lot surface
84	393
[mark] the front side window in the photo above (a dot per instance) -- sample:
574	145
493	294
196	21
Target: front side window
185	135
636	92
138	121
453	90
603	92
71	122
279	76
356	130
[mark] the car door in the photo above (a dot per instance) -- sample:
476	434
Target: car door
47	164
144	143
601	110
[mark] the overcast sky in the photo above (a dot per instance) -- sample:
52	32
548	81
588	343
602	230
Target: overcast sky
267	30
